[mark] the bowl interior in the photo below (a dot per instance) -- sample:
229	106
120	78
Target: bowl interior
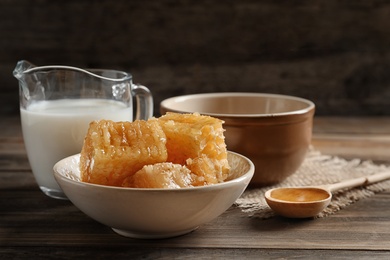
237	104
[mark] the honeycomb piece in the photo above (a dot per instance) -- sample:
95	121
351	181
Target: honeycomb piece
208	170
160	175
114	150
190	136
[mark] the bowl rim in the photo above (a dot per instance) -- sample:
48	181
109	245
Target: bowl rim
246	176
164	104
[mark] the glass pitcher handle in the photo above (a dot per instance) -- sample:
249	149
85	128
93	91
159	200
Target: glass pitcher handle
144	101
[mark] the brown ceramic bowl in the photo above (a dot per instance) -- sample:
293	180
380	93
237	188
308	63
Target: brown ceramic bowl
274	131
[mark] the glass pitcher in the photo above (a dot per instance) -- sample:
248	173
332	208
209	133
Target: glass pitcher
57	103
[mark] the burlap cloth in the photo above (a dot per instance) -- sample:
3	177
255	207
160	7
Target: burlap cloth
319	169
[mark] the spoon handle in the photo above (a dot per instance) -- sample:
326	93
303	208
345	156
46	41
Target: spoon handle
359	181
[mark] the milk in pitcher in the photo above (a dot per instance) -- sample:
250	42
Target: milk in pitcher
56	129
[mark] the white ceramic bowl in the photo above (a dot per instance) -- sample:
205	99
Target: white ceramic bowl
153	213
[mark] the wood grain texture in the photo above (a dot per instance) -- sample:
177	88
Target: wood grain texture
332	52
31	219
179	253
33	225
366	138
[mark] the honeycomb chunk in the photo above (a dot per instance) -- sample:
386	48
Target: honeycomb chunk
160	175
113	151
208	170
198	138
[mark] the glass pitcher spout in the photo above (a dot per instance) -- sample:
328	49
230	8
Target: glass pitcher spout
19	73
21	67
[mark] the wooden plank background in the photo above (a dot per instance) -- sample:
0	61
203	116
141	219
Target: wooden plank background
336	53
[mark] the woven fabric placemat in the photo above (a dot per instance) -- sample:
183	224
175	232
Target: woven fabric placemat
319	169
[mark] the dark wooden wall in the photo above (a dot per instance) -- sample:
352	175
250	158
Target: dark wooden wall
334	52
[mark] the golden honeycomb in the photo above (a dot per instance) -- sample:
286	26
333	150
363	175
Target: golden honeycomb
173	151
161	175
200	140
114	150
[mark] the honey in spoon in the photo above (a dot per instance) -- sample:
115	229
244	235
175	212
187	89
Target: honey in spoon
300	202
300	194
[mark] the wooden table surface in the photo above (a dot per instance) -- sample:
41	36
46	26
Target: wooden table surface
33	225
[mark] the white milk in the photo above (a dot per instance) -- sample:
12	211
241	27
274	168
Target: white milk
53	130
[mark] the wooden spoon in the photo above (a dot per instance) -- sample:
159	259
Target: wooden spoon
304	202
